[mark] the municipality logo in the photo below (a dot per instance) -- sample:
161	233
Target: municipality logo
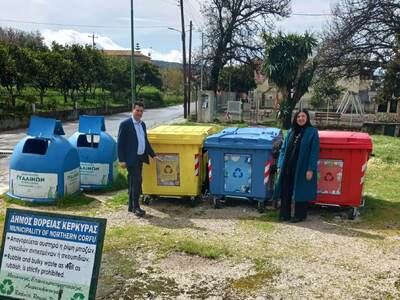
6	287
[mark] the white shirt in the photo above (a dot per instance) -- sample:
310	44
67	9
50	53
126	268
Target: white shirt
140	136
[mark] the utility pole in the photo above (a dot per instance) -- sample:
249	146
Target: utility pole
93	36
190	69
230	75
183	61
202	61
133	83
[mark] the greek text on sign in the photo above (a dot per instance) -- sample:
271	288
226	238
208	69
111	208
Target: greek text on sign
72	182
33	185
50	256
94	173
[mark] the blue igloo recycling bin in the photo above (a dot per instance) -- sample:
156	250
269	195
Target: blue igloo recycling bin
97	153
44	165
241	162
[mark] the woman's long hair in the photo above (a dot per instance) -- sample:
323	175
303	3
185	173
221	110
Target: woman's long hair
296	126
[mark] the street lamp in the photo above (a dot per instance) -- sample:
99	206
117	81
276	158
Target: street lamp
174	29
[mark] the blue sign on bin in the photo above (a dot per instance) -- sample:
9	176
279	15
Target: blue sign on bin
237	173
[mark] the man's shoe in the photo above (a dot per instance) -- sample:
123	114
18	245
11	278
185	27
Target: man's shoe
283	219
139	212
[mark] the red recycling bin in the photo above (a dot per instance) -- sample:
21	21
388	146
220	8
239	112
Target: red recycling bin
341	168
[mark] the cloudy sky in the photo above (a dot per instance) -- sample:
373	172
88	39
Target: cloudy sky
74	20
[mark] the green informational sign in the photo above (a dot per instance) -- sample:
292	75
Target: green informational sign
50	256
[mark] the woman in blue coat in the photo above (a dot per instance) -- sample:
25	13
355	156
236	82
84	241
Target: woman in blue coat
297	167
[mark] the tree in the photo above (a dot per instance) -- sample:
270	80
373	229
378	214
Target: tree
101	70
172	80
390	88
16	67
238	78
31	40
120	82
325	90
231	30
287	63
83	69
361	34
43	77
8	71
63	70
147	74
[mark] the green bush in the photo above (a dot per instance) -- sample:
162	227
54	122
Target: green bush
51	104
172	98
151	97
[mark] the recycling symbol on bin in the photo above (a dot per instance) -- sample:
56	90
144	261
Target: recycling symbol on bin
168	169
238	173
78	296
6	287
328	177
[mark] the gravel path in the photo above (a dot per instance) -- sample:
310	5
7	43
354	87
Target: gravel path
316	259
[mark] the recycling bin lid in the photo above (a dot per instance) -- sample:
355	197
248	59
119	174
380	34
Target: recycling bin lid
44	127
345	140
245	138
91	124
180	134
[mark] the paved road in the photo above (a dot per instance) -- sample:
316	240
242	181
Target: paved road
152	117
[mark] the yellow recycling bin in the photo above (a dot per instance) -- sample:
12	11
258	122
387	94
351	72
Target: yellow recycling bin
182	169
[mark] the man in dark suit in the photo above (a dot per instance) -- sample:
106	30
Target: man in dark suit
133	150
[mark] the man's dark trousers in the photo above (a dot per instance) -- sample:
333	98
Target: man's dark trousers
135	183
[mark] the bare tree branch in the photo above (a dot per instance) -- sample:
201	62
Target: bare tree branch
234	29
362	34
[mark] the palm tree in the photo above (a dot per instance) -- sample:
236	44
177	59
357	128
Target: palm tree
287	63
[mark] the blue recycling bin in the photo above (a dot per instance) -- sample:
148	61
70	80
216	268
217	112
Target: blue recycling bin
241	161
44	166
97	153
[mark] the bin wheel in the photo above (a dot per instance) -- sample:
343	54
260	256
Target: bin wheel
193	201
216	202
353	213
146	199
261	206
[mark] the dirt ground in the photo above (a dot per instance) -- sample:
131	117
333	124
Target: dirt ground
325	257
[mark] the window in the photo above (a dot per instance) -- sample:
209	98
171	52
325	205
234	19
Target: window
393	106
382	107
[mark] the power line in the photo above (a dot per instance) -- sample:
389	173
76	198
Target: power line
195	14
311	14
82	25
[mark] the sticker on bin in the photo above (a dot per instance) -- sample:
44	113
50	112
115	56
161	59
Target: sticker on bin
237	173
168	170
330	174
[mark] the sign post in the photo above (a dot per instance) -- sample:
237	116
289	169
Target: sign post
50	256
